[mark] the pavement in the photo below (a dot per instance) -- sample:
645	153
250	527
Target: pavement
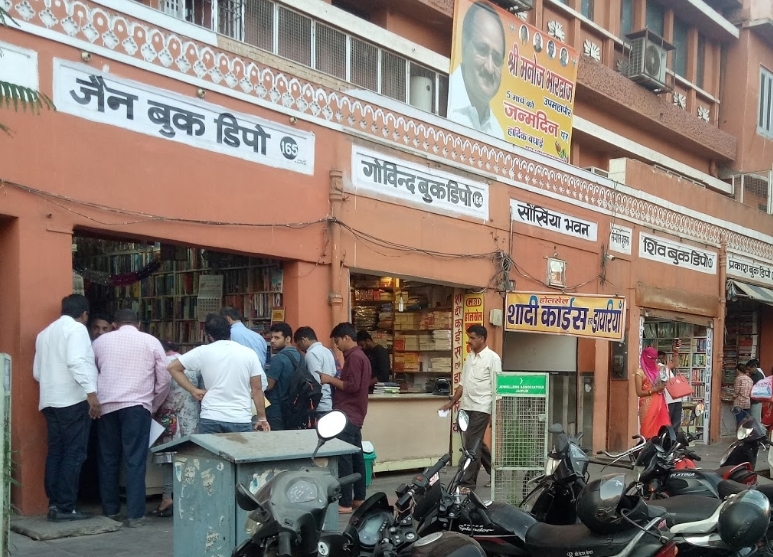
155	538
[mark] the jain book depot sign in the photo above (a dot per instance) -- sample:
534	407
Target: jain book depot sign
81	91
588	316
677	254
377	175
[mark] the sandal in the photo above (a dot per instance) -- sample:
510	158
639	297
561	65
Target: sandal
164	513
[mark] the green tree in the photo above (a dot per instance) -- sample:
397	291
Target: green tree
18	96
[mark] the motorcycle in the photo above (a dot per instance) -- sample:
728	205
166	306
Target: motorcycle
289	512
750	438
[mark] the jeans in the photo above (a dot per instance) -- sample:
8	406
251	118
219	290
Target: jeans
741	416
351	464
123	434
675	413
213	426
275	418
755	411
476	430
68	438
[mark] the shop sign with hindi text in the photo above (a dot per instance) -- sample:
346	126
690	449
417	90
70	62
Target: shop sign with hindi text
473	315
677	254
620	239
511	80
750	269
535	215
589	316
84	92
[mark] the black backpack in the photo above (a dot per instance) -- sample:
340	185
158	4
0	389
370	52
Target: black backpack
303	396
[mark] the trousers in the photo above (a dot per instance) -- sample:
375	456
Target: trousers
479	422
68	437
351	464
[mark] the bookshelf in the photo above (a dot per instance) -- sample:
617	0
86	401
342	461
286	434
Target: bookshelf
694	356
166	301
412	320
741	343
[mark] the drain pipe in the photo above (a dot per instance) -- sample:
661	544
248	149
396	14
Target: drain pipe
718	346
335	298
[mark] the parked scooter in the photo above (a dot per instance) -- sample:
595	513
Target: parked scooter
750	438
289	512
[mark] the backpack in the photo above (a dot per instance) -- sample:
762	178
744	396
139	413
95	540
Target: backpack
303	395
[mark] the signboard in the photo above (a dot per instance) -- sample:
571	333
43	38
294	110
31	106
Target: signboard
277	315
534	215
522	384
459	351
589	316
100	97
210	296
620	239
744	268
418	185
677	254
511	80
473	315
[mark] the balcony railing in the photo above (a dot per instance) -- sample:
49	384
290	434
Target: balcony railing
754	189
297	37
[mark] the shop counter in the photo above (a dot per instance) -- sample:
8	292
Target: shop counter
406	431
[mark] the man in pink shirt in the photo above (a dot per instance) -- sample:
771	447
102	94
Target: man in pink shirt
133	383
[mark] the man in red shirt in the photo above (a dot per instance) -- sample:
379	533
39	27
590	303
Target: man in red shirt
351	397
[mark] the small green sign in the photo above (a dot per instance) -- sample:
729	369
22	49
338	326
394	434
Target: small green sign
522	384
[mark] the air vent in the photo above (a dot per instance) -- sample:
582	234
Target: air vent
597	171
647	58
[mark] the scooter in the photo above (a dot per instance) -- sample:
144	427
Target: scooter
750	438
289	512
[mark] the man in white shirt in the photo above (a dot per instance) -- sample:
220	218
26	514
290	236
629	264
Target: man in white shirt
474	390
233	380
477	79
319	360
64	366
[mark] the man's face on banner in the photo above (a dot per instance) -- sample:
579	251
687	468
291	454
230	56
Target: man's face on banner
483	54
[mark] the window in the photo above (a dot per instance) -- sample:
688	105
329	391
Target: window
680	42
259	24
586	8
701	61
230	18
765	101
626	17
654	17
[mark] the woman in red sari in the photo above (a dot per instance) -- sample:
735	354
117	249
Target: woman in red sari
653	410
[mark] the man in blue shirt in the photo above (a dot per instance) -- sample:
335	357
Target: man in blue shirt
244	336
284	362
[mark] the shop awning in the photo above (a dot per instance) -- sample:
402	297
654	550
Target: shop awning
764	295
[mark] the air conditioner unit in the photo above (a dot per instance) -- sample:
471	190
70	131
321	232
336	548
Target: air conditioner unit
647	58
515	6
597	171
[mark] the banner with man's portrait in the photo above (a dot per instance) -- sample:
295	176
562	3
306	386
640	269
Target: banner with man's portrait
511	80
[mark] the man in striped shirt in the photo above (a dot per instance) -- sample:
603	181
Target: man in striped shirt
133	383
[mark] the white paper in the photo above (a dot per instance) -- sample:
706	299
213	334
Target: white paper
156	429
443	413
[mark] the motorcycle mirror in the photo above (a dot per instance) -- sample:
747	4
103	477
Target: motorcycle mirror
463	420
245	499
556	428
328	426
699	410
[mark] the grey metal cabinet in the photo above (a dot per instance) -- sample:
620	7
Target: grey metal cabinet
207	521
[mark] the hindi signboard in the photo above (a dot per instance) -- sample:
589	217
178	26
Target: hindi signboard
677	254
589	315
535	215
100	97
620	239
511	80
473	315
750	269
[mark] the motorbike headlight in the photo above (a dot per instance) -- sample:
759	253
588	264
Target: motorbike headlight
743	433
551	464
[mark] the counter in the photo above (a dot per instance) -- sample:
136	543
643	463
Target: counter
406	431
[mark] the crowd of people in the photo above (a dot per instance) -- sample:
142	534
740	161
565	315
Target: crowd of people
104	379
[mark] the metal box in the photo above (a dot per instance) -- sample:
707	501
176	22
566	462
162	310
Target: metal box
207	521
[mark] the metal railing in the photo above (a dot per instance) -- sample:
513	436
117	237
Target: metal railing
754	189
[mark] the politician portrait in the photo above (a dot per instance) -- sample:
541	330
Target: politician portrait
476	81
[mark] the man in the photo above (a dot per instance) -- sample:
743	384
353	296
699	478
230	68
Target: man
666	368
285	361
99	325
233	381
133	383
480	369
351	397
378	356
476	81
244	336
64	367
757	375
319	361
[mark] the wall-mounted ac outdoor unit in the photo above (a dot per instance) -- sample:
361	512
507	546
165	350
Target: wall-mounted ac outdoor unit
515	5
647	59
597	171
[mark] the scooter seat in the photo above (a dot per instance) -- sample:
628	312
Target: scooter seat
547	540
726	488
684	508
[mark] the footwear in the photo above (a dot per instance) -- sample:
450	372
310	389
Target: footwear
344	510
61	516
52	513
465	490
488	484
357	503
164	513
117	517
137	522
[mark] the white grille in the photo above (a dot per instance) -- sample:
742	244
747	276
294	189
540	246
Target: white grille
259	24
364	65
393	76
175	8
230	18
294	36
330	51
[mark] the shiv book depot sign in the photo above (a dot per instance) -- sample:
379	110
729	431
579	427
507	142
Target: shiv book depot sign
677	254
81	91
589	316
522	384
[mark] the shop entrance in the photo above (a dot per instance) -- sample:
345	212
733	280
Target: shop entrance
171	288
694	362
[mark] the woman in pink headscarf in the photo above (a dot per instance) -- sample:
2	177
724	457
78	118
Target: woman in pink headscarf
653	410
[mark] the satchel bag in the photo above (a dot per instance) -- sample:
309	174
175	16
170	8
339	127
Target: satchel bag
678	387
763	389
